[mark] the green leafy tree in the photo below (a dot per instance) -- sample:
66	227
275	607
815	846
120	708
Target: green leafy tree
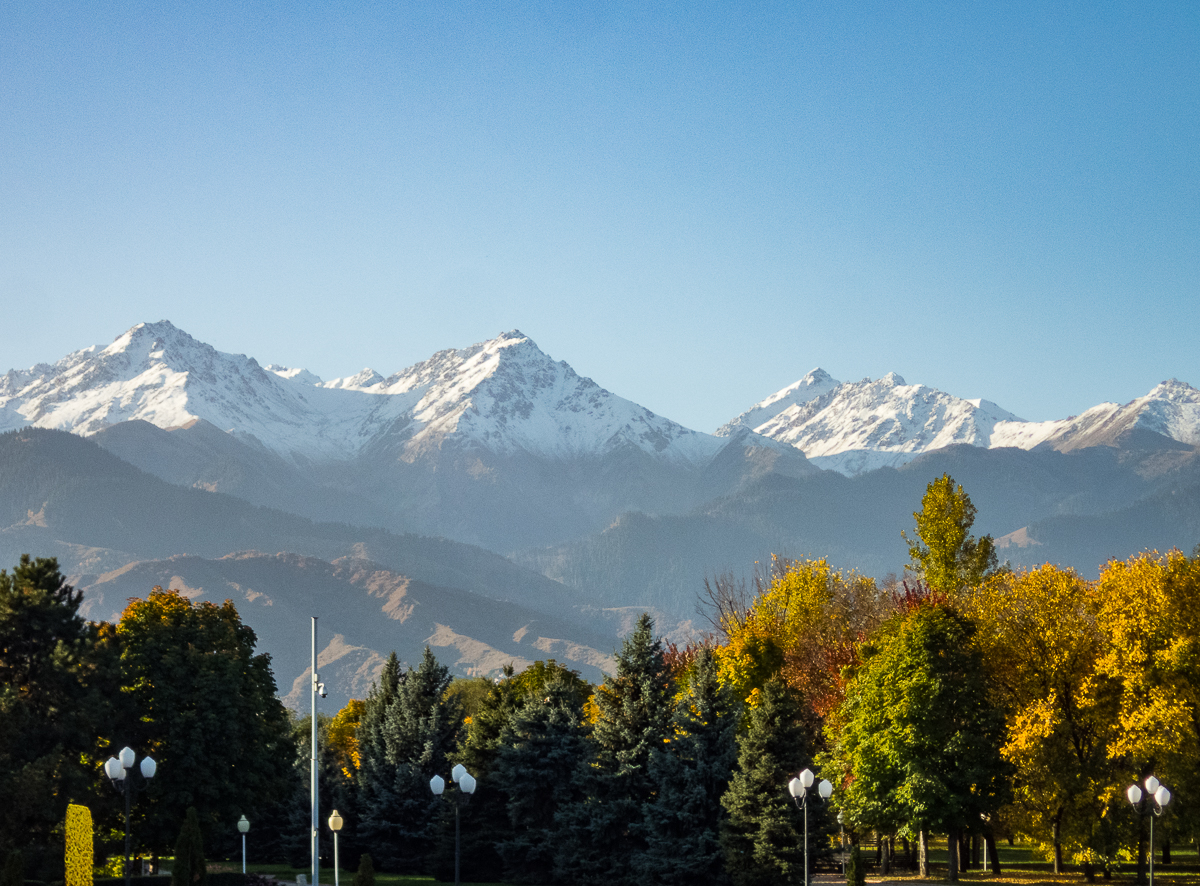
762	836
682	822
206	710
539	753
57	673
945	554
634	714
917	738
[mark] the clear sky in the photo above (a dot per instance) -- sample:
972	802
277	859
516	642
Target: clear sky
691	203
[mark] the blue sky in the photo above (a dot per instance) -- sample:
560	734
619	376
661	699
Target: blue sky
693	204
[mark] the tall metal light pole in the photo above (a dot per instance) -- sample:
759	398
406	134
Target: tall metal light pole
117	769
1157	792
318	688
798	788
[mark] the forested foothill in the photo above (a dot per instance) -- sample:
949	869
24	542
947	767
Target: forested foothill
965	702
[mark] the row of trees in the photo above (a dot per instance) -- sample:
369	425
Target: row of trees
177	681
969	700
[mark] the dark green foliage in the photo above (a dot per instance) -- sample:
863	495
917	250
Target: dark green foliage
540	754
856	871
485	819
682	822
13	871
763	835
189	868
365	875
56	676
207	704
415	732
292	843
602	835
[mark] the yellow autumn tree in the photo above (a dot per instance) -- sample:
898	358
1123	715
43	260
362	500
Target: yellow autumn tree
802	625
342	736
1149	614
1038	632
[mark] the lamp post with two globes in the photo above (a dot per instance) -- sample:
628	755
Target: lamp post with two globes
798	788
1157	792
117	769
466	787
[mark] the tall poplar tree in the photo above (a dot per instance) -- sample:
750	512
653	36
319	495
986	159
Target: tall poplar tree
944	553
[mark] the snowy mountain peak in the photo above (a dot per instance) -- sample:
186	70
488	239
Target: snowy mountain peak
300	376
813	385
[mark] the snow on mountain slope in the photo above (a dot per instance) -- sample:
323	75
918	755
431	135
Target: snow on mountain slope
503	395
855	427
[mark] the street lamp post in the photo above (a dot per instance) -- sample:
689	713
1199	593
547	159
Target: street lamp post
798	788
243	826
1157	792
117	769
466	787
335	825
842	839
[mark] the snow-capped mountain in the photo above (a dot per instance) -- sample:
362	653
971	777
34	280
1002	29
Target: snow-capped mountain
503	396
854	427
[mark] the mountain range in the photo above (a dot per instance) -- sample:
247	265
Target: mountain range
160	460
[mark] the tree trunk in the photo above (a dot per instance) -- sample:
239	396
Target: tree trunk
910	858
975	844
1141	851
964	851
1058	842
923	852
1089	872
885	856
993	855
1166	851
952	855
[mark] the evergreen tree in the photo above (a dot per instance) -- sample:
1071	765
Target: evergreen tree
682	822
189	868
419	729
601	836
375	776
485	819
539	755
763	836
365	875
58	675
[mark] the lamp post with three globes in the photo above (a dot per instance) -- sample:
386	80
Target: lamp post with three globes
466	787
1156	791
798	788
117	769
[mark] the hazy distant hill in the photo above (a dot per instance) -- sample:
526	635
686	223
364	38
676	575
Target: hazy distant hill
364	611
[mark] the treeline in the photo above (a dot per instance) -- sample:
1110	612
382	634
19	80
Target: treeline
176	681
967	700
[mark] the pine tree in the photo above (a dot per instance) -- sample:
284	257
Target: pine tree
189	868
374	778
682	822
601	835
419	729
539	754
762	837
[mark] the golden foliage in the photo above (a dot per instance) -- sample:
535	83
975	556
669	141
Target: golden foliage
79	846
342	736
